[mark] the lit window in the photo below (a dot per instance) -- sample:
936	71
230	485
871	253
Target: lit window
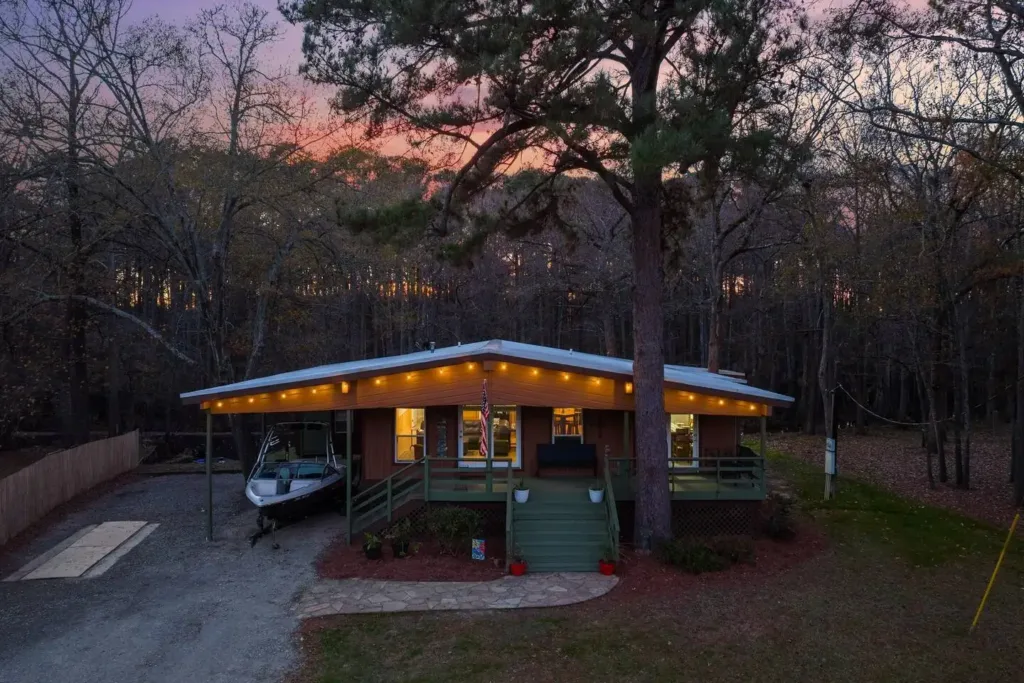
567	425
410	433
683	441
504	433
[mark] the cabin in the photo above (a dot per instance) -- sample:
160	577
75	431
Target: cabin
468	424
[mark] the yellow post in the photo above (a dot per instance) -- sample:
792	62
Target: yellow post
992	580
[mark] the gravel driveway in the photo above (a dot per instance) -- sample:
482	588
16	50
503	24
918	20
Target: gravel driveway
175	608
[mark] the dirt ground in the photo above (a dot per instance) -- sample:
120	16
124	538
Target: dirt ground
894	459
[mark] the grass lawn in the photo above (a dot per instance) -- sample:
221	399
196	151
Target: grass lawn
890	599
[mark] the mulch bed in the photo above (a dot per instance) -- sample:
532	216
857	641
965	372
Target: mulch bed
894	460
645	576
343	561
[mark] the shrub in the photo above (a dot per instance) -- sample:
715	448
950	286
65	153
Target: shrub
453	528
778	523
691	556
735	549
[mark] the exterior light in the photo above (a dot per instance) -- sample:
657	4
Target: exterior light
721	401
693	397
409	376
472	366
753	407
565	375
284	395
377	381
251	399
344	387
314	391
220	403
504	366
629	387
535	372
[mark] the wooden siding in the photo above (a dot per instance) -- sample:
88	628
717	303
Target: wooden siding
508	384
717	433
536	430
377	426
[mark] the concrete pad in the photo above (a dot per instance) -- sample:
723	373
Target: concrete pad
49	554
109	535
69	564
121	550
86	551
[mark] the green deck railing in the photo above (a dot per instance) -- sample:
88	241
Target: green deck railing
424	478
510	529
378	502
613	511
725	476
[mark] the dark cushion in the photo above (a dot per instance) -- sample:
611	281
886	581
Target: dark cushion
567	455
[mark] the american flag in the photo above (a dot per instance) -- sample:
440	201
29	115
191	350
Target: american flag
485	420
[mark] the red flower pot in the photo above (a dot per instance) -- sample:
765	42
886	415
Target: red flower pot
517	568
606	568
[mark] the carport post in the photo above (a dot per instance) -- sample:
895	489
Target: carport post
348	474
209	475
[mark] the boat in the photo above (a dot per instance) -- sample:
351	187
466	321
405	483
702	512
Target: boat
296	474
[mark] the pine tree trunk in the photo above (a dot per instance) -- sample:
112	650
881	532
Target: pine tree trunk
653	506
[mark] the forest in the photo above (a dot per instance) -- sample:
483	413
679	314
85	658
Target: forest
828	201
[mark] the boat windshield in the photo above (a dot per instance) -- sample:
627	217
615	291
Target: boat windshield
291	441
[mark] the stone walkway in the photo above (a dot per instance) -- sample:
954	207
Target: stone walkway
360	596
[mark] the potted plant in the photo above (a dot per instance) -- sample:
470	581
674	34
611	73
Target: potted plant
521	493
597	492
372	546
400	534
606	565
517	567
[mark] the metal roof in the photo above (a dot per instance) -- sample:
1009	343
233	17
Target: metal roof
688	377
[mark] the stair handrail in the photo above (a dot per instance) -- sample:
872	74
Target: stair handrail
384	485
613	512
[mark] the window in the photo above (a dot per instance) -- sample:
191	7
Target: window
410	433
683	441
567	425
504	431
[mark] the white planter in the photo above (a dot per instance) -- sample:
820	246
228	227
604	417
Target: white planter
522	495
596	495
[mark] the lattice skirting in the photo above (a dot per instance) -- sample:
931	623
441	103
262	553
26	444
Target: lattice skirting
703	519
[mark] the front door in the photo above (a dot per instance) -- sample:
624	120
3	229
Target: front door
504	437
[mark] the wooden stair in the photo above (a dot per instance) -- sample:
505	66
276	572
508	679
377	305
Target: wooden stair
559	530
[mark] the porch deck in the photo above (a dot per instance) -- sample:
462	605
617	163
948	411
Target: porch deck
715	478
683	486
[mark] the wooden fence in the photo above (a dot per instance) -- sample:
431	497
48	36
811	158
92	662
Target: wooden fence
31	492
